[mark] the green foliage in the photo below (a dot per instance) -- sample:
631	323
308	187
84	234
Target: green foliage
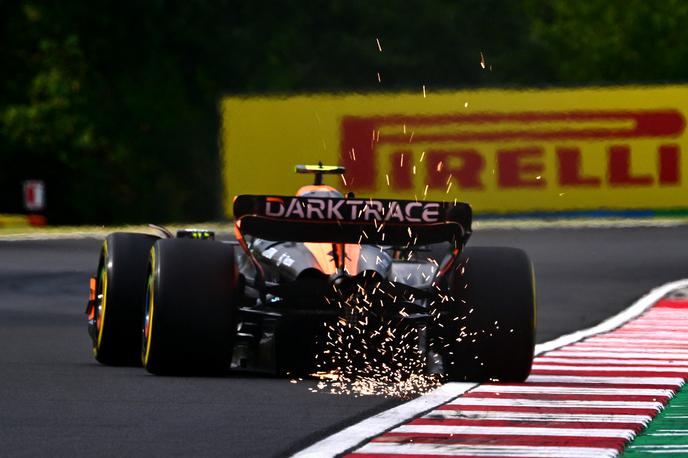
607	42
114	103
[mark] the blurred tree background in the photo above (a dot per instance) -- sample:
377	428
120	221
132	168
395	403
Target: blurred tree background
114	104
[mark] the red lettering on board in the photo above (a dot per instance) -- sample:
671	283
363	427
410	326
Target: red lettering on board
516	168
570	163
669	165
401	167
442	167
520	168
619	168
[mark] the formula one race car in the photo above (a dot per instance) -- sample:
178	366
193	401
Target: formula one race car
309	276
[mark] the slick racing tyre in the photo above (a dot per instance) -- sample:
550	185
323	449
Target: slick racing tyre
488	331
190	313
119	298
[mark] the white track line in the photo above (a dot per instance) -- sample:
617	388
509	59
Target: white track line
487	450
614	322
359	433
534	416
56	236
675	381
569	390
220	228
515	431
558	403
658	369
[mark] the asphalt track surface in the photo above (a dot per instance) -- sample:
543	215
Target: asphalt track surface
56	400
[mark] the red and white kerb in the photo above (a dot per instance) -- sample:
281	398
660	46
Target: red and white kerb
584	400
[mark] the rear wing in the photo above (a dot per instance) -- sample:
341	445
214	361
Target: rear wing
344	220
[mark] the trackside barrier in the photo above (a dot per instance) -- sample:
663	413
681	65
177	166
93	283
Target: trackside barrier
12	220
604	151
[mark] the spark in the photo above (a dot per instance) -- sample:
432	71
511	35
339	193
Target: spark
387	177
401	160
325	375
465	105
425	193
424	91
422	156
379	79
439	166
379	46
482	60
378	355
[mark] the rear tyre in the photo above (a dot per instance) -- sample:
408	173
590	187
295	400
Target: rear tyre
498	340
120	297
190	314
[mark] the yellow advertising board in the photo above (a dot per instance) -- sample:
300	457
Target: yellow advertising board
502	151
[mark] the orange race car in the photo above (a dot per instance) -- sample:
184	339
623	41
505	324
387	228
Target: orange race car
389	280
